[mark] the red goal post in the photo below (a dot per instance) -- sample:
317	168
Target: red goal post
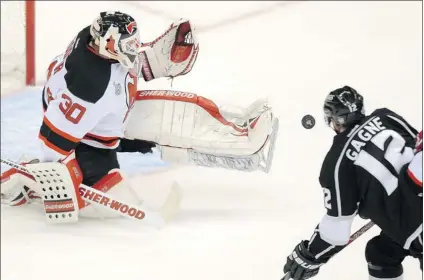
30	42
18	44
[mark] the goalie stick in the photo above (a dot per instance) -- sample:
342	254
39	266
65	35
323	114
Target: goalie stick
156	218
352	238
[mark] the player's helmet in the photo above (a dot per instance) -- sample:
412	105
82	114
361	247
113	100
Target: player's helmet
116	34
345	106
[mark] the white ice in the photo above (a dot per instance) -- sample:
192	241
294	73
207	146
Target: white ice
232	225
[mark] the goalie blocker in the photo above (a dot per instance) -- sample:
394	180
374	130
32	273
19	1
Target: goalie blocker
65	198
191	129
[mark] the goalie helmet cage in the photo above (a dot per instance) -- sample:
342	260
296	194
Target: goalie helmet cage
18	41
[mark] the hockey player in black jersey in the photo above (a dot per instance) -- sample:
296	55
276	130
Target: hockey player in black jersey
372	170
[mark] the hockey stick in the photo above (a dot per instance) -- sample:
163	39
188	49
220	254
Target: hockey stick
352	238
93	196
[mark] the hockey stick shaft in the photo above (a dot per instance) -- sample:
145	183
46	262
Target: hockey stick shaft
93	196
15	165
352	238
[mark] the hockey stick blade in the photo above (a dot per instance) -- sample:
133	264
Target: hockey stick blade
352	238
169	209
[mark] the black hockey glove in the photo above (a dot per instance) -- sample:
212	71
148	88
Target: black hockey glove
301	263
133	146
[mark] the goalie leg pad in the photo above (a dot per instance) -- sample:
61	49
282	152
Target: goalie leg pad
261	160
185	120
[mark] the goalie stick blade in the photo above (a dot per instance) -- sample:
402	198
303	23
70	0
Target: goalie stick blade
169	209
266	163
172	204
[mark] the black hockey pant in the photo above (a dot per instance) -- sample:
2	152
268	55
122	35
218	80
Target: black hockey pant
95	163
385	256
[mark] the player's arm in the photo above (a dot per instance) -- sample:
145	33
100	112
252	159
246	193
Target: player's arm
412	173
333	232
399	124
135	146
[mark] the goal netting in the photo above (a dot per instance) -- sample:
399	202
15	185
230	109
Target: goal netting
17	45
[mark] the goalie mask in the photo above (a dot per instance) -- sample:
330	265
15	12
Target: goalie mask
116	34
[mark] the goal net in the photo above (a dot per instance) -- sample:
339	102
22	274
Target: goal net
17	45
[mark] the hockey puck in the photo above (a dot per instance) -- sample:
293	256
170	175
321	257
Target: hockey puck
308	121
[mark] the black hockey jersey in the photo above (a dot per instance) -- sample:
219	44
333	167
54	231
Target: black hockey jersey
363	174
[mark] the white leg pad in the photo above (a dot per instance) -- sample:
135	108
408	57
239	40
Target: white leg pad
185	120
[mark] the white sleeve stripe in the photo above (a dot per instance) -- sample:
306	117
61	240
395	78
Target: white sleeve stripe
317	256
412	237
335	230
312	238
404	125
336	169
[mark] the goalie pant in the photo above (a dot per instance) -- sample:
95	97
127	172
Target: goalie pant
350	189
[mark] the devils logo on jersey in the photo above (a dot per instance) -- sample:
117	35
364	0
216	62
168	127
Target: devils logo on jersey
131	27
131	90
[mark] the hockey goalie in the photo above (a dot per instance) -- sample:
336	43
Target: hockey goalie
93	109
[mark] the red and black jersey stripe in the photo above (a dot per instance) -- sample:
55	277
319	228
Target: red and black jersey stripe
56	139
106	141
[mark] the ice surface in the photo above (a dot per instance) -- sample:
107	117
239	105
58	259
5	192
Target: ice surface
233	225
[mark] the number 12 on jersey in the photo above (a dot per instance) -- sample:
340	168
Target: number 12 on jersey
395	153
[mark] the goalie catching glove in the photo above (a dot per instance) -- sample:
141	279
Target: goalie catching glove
172	54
